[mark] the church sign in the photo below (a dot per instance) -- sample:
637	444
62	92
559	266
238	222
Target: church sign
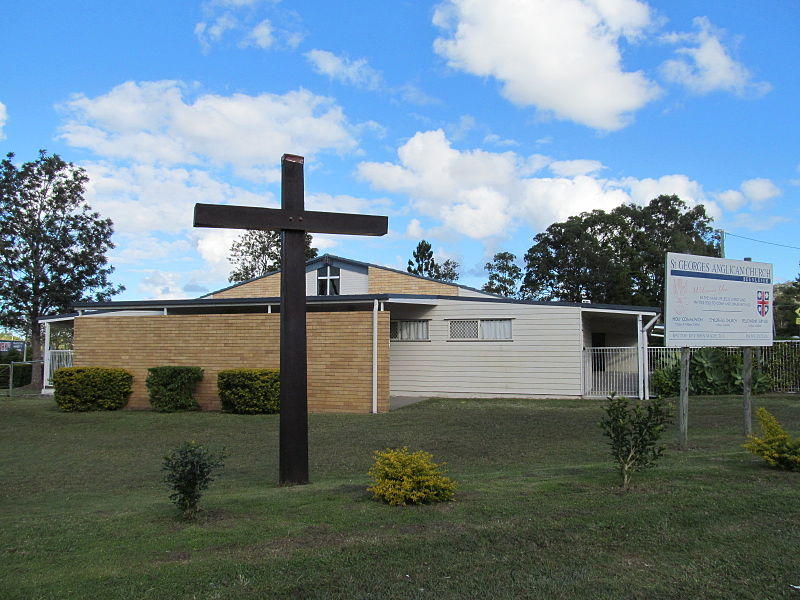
717	301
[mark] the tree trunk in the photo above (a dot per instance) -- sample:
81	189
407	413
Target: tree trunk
36	355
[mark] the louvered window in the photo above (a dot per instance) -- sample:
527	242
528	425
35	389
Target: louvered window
408	331
480	329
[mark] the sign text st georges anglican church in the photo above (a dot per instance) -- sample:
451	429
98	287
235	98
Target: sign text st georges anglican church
717	302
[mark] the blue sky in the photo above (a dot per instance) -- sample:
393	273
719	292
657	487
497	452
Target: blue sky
471	123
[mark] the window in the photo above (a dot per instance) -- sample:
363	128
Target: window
328	281
408	331
480	329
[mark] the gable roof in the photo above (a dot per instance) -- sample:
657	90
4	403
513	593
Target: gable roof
328	259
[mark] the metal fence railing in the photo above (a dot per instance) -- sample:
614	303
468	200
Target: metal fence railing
616	369
58	359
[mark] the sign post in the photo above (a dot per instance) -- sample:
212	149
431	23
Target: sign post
717	302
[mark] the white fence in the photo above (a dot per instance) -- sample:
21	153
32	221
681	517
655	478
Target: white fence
616	369
58	359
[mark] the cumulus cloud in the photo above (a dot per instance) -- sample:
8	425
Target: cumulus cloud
760	190
486	195
732	199
561	56
3	119
342	69
705	64
143	198
155	122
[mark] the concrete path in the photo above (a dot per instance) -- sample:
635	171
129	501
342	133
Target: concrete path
396	402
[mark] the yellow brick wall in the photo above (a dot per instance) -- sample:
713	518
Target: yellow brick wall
383	281
265	287
339	352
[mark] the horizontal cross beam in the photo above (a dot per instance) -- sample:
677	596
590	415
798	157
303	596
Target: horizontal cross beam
276	219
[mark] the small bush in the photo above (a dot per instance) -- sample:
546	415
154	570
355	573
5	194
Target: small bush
22	374
634	429
190	468
92	388
403	477
250	391
172	388
775	446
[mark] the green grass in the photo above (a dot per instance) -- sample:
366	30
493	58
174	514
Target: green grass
84	512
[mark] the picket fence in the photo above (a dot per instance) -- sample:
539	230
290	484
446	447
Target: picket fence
616	369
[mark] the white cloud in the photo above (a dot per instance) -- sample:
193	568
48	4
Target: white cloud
141	199
145	248
732	199
414	229
755	222
707	66
486	195
162	285
244	22
3	119
342	69
561	56
571	168
261	36
153	122
760	190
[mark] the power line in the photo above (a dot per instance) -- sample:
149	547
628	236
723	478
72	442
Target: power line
760	241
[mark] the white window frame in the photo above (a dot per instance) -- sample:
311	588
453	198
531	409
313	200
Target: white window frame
481	331
327	278
427	337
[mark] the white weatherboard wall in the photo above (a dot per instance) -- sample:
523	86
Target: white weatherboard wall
350	282
543	360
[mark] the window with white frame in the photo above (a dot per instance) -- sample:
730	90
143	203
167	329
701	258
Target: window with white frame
480	329
328	278
408	331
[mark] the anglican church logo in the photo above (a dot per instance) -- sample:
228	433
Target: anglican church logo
762	303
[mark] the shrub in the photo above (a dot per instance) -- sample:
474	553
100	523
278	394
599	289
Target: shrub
403	477
634	429
172	388
92	388
250	391
775	446
22	374
712	371
190	468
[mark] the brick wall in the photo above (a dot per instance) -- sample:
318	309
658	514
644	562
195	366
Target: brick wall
383	281
339	352
264	287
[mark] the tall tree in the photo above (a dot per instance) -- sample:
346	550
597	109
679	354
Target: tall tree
52	246
616	257
504	276
786	302
256	253
423	263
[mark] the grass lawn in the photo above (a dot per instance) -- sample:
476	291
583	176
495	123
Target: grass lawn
84	512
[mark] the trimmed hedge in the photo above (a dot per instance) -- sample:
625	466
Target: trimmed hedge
172	388
250	391
92	388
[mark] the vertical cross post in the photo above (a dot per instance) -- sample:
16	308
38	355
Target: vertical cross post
293	467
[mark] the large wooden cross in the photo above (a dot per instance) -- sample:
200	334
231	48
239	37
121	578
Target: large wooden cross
293	221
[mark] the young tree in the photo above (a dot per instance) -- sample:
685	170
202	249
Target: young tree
425	264
52	246
616	257
504	276
256	253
